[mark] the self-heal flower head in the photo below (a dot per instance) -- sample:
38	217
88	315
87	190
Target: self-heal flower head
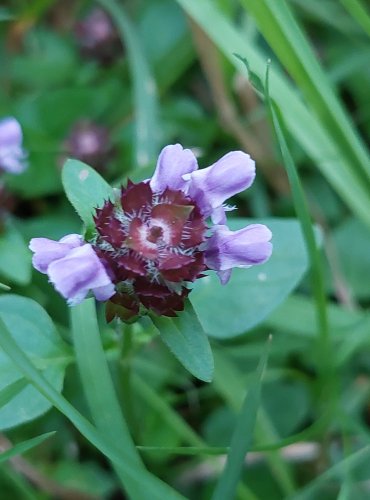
73	267
155	238
12	154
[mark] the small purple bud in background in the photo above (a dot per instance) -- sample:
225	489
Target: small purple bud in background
73	267
97	37
12	154
89	143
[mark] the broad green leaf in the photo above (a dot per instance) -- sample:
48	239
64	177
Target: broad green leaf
252	294
34	332
158	489
312	135
352	243
15	258
24	446
187	340
242	437
85	189
145	89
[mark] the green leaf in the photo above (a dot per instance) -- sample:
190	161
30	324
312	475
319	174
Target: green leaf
187	340
242	437
15	258
24	446
145	89
252	294
11	390
34	332
85	189
99	390
4	287
354	258
338	470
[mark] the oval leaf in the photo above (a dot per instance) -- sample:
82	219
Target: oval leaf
35	334
85	189
15	258
252	294
187	340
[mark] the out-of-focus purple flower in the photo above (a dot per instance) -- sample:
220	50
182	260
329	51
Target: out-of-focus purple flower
73	267
12	155
89	143
244	248
97	37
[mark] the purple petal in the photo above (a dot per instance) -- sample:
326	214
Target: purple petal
230	175
12	155
248	246
173	163
46	251
79	272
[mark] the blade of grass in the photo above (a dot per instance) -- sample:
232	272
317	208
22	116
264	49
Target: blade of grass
241	440
185	450
338	469
287	40
158	489
228	383
98	385
11	390
24	446
145	89
308	131
359	12
300	204
6	288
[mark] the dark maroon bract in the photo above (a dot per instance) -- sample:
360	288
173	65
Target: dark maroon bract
151	244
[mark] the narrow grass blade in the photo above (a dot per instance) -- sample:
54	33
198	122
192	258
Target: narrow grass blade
170	418
6	288
300	204
11	390
359	12
241	440
337	470
158	489
24	446
145	90
98	385
287	40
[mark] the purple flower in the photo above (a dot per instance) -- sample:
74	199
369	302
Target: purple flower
153	240
12	155
244	248
73	267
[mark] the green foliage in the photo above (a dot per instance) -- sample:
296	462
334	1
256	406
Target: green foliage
159	406
187	340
